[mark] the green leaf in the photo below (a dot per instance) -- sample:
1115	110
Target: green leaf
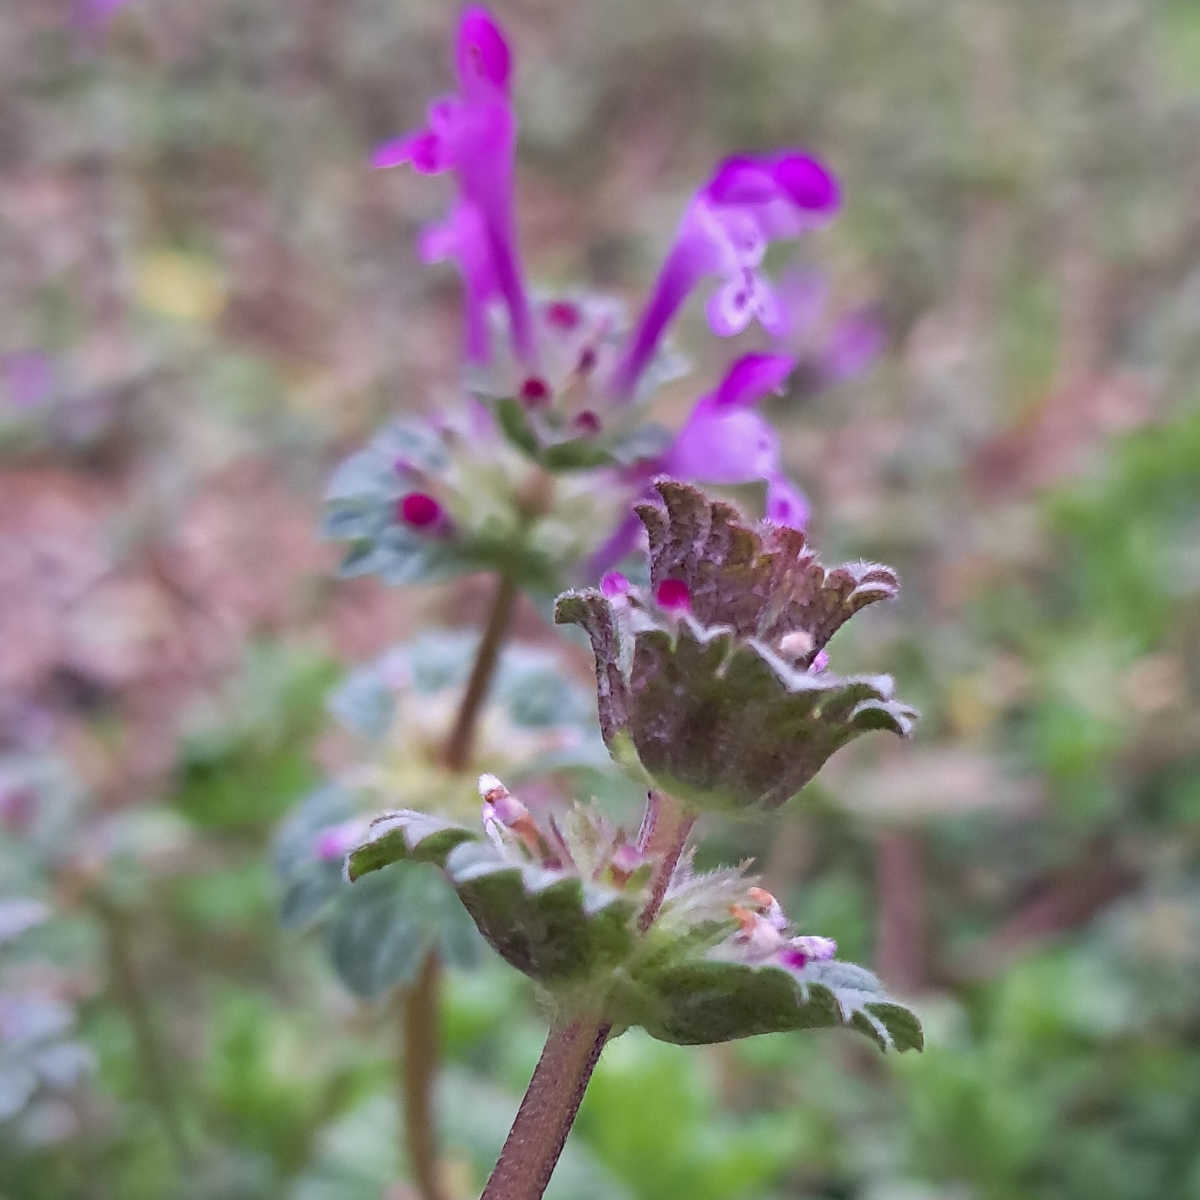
406	836
713	1000
308	884
377	939
514	422
548	924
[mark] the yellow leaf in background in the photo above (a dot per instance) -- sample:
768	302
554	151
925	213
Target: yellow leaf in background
180	285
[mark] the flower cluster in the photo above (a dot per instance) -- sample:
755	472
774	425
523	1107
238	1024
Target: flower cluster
566	902
555	441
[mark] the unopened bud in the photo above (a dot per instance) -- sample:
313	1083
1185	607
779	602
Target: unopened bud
796	644
673	595
800	951
768	907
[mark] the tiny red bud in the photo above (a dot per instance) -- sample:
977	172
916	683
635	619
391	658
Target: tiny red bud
562	314
587	422
419	510
673	594
535	392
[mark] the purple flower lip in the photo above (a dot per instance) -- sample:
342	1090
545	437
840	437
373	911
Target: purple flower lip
749	202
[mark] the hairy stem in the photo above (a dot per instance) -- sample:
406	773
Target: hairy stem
665	830
547	1112
157	1074
418	1031
458	745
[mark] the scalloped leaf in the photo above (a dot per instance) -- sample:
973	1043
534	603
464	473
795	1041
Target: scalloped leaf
712	1000
547	923
727	724
719	721
406	836
550	925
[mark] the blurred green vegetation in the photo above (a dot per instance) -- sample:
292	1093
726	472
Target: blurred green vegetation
209	298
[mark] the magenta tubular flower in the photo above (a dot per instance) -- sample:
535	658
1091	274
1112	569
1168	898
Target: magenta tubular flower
473	133
724	441
725	231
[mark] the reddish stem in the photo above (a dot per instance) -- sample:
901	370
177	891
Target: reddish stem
547	1112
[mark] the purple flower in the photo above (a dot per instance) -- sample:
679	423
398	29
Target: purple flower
473	133
28	378
830	351
91	17
725	231
334	842
856	341
724	441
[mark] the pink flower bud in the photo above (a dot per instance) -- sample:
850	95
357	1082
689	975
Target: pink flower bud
419	509
535	392
614	584
562	314
673	595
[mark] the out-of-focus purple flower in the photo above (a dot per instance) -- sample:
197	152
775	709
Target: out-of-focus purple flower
334	842
856	341
91	17
473	133
724	441
28	377
829	351
725	231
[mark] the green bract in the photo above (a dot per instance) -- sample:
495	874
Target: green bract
503	511
377	933
720	704
563	906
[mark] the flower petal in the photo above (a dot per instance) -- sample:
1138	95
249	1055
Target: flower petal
786	504
481	53
423	148
752	377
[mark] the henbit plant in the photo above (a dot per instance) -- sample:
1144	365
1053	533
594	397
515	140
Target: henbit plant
531	480
709	685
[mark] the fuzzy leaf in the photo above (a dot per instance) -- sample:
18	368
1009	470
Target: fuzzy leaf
406	836
374	944
711	1000
546	923
308	884
727	724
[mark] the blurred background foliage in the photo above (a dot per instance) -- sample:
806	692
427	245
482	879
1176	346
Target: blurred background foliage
208	299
